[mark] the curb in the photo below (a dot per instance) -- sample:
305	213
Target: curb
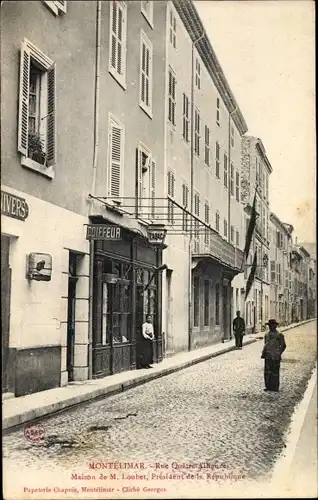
281	470
104	392
116	388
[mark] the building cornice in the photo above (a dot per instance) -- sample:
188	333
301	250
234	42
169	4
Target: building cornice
261	150
193	24
273	218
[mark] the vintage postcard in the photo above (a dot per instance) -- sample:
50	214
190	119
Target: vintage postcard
158	249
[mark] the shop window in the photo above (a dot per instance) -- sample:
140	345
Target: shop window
196	301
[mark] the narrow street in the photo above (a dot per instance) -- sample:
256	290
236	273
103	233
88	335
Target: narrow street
215	413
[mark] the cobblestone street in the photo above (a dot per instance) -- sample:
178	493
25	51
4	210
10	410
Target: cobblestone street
215	412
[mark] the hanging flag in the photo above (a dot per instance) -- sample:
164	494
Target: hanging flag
251	277
250	231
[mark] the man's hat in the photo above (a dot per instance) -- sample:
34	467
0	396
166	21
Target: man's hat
272	322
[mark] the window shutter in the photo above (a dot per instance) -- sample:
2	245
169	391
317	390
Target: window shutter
143	69
113	22
23	124
51	119
153	188
116	134
139	178
61	5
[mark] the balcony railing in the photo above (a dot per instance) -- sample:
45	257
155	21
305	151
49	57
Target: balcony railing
214	246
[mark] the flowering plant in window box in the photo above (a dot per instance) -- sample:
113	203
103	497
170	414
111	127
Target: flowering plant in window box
35	149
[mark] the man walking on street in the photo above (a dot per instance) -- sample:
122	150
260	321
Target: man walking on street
239	330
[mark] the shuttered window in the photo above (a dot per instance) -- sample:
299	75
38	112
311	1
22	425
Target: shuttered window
172	98
207	221
217	160
226	172
185	203
56	6
37	106
197	74
185	118
171	195
173	29
225	228
145	73
273	271
146	183
232	179
118	42
217	221
218	111
207	146
197	132
237	186
116	147
237	238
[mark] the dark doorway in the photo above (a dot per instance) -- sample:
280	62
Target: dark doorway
225	312
5	308
72	280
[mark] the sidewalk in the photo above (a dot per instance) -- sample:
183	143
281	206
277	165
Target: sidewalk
17	411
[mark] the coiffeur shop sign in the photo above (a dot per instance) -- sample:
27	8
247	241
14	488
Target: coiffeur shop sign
14	206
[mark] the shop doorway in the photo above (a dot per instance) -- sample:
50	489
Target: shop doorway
5	308
71	304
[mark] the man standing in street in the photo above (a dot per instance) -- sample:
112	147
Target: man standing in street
274	346
239	330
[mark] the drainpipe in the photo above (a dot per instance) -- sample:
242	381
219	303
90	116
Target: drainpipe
191	194
95	157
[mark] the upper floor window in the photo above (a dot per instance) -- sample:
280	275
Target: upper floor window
185	118
172	98
232	136
225	228
185	203
171	195
197	132
237	186
146	180
37	109
115	158
226	172
217	160
217	221
118	41
173	29
232	179
147	11
207	221
197	74
232	234
145	73
57	7
237	238
218	111
207	146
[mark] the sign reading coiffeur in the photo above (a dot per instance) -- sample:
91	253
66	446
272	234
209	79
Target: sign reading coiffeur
102	232
14	206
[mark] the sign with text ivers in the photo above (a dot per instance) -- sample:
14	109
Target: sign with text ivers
102	232
14	206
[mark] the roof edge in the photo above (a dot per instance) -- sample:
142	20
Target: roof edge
194	26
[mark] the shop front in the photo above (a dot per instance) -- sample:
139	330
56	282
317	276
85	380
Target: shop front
126	289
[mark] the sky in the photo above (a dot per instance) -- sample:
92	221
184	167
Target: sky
266	50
